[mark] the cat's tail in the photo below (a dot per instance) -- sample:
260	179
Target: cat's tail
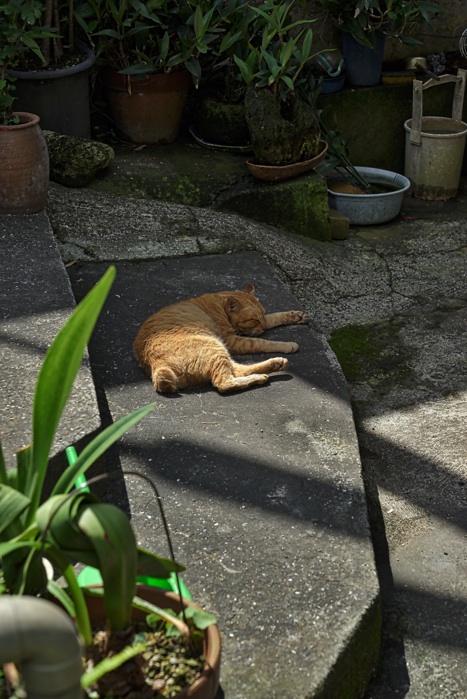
164	380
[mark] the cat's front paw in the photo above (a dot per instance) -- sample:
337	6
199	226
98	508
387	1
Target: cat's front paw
291	347
296	317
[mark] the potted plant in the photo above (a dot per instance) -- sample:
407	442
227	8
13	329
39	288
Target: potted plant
219	112
71	525
149	54
52	82
364	25
283	127
24	171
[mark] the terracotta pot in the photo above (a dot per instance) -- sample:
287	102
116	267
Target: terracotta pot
279	173
24	167
205	686
147	110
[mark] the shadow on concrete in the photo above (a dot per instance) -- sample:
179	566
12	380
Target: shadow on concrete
223	474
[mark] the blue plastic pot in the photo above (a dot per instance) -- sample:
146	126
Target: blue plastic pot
363	65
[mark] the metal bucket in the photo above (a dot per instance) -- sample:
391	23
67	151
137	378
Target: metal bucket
434	146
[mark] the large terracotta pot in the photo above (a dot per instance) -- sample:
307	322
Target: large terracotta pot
24	167
147	110
205	686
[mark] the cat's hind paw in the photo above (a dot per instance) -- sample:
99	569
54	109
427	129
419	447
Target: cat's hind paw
278	364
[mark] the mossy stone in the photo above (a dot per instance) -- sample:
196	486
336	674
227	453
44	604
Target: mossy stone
281	132
74	162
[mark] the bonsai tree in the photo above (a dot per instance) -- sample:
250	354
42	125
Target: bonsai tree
362	18
283	127
71	525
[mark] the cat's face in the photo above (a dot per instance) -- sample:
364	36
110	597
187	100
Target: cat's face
245	312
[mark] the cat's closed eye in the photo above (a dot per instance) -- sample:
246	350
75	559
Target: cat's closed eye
250	325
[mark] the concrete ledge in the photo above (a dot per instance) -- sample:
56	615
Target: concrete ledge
188	174
35	300
262	489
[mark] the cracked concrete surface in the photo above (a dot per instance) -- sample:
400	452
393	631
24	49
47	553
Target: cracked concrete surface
405	284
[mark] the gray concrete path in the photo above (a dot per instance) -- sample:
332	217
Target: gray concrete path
262	488
403	287
392	302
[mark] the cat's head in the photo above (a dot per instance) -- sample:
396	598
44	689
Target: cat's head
246	314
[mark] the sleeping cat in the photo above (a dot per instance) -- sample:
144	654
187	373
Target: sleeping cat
188	343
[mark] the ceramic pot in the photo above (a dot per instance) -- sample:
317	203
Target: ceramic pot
59	97
24	167
205	686
371	209
147	110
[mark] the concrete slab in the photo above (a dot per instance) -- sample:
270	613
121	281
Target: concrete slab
262	489
35	300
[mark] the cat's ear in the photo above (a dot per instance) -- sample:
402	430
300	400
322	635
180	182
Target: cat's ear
231	304
249	288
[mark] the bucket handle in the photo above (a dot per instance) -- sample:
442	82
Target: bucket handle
417	103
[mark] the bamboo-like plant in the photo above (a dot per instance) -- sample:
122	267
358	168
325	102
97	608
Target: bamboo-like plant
281	51
362	18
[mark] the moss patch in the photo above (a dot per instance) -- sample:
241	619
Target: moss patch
373	354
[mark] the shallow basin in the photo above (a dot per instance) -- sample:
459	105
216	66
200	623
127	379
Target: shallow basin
370	209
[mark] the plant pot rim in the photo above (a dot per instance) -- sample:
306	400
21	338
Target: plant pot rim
247	148
112	78
27	119
376	176
276	173
57	72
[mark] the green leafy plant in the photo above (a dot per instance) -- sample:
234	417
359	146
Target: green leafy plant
362	18
71	525
34	34
284	48
20	33
158	36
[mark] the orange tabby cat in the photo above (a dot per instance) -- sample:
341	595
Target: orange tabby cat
188	343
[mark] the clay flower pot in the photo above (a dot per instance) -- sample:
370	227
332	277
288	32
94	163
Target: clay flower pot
24	166
205	687
147	110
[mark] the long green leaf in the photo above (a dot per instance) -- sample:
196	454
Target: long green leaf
112	663
3	474
12	505
110	532
97	447
56	378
